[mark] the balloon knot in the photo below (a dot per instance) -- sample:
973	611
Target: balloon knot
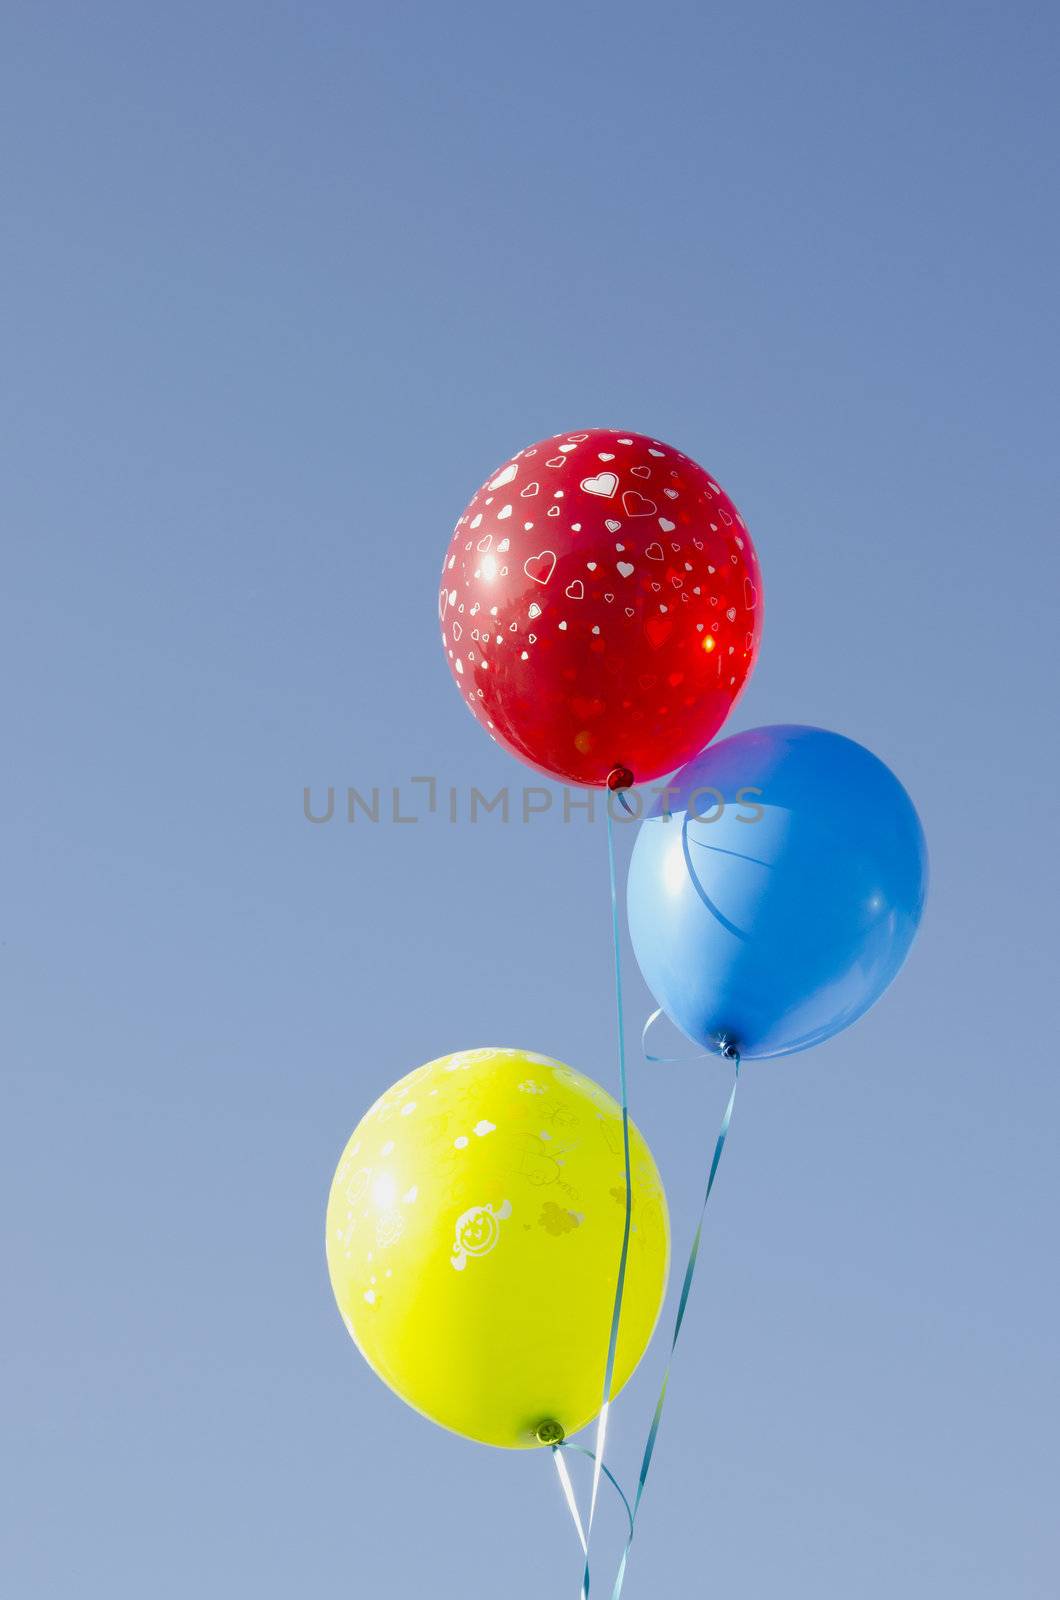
619	778
549	1432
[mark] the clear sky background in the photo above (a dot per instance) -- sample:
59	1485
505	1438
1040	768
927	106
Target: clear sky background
279	286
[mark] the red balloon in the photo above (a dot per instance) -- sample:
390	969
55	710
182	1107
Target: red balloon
601	606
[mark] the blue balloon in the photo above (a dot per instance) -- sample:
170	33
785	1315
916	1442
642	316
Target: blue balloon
775	890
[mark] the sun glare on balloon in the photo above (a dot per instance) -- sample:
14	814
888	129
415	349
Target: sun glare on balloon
674	867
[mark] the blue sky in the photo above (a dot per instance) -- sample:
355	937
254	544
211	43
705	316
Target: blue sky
279	287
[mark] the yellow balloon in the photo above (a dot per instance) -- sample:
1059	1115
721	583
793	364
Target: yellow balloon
473	1234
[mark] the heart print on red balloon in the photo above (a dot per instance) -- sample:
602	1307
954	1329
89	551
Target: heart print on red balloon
601	606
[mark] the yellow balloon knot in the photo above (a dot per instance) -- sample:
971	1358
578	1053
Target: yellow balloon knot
549	1433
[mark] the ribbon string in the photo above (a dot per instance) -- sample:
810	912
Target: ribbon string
682	1305
600	1470
568	1495
620	1285
568	1489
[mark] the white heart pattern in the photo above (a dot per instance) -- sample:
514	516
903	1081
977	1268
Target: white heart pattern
540	568
575	590
503	477
604	484
637	505
625	568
